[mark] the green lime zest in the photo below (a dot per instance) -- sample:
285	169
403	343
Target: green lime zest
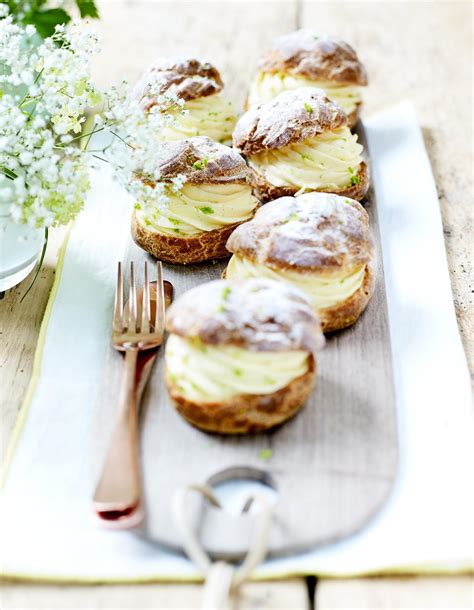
201	163
265	454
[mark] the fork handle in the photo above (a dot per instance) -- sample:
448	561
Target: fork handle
118	489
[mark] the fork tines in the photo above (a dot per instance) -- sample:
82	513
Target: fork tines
127	321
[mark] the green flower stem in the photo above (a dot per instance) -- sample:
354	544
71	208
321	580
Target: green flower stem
120	138
40	263
8	172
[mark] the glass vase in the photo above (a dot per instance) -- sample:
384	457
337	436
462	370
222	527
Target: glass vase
20	248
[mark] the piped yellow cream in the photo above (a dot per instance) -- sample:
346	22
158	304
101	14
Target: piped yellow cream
210	116
324	290
331	160
266	86
208	373
196	208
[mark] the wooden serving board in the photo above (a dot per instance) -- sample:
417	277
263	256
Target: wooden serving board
332	466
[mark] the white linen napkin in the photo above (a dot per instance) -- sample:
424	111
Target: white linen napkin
47	528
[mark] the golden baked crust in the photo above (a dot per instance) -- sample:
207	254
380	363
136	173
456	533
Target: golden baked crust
247	413
189	78
312	232
353	117
254	314
267	192
348	312
202	161
182	250
289	117
315	56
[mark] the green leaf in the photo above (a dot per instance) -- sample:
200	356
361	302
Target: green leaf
308	108
46	21
87	8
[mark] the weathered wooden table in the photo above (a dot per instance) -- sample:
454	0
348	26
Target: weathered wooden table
416	50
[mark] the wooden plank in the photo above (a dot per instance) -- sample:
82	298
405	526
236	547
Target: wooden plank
403	593
286	595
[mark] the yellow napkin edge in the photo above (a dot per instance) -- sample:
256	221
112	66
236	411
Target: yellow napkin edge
25	407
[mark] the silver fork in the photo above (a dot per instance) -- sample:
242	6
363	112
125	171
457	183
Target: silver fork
117	495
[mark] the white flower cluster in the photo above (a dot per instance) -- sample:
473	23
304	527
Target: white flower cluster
136	148
45	89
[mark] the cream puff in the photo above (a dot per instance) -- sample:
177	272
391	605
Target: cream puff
306	59
300	142
318	243
241	355
199	84
195	220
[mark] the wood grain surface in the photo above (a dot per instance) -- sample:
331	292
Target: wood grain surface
416	50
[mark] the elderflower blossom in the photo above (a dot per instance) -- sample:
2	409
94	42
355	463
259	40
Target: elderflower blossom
45	89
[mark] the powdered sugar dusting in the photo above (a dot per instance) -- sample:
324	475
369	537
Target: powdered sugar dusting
201	160
291	116
188	78
316	56
256	314
314	231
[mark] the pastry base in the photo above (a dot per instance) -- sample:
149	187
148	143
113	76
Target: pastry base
247	413
205	246
353	117
267	192
348	312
